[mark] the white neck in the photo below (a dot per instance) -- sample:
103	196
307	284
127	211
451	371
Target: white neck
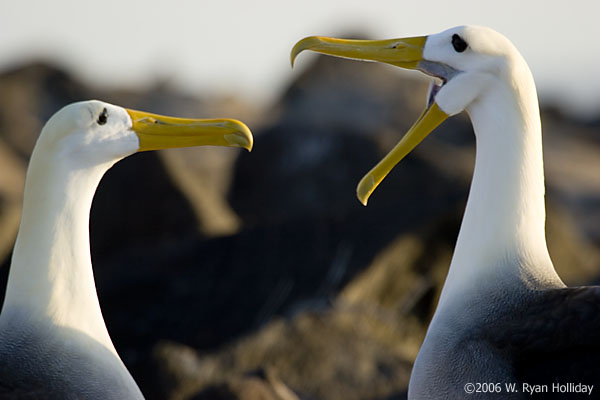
51	274
502	236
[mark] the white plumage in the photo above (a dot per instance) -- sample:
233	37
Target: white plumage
504	315
53	340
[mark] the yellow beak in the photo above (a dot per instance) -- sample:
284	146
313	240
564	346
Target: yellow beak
160	132
426	123
404	53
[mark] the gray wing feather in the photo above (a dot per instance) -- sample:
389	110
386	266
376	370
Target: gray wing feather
554	336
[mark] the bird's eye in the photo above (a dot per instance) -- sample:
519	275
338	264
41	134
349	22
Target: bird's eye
458	43
103	117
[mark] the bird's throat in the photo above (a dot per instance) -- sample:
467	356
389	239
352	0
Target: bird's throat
51	273
502	236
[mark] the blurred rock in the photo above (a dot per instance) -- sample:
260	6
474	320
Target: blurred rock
314	355
12	180
575	257
183	375
240	389
571	160
30	95
298	172
335	94
204	176
138	205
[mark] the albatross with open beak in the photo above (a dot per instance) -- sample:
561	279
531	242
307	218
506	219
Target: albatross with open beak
504	316
53	340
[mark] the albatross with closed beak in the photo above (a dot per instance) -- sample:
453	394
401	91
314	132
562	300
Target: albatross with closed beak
53	340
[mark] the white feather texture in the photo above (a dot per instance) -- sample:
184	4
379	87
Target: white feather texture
51	316
501	246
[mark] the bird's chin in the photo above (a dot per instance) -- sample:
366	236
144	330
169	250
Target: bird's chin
434	88
442	74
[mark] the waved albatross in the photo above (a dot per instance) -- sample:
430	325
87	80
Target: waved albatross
504	317
53	340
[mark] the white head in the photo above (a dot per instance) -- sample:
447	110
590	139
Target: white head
93	132
469	49
89	132
469	61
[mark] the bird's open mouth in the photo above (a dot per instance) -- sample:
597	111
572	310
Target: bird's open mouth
434	88
442	74
405	53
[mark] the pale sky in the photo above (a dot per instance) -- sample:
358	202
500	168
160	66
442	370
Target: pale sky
243	46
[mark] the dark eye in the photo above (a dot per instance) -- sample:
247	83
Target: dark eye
103	117
459	44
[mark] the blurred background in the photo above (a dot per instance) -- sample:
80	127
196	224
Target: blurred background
231	275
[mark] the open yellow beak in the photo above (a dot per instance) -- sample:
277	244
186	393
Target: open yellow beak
426	123
404	53
160	132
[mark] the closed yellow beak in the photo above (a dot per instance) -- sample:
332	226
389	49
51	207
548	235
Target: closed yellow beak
157	132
